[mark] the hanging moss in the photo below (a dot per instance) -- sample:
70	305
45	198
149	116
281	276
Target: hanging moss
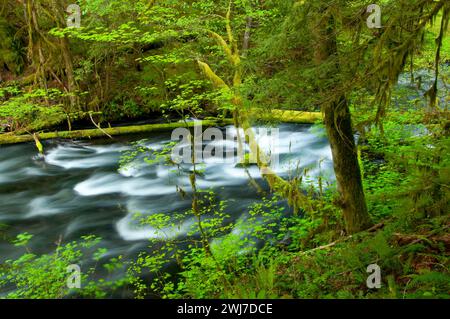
216	80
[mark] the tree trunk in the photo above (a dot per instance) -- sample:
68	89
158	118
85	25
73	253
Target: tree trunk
338	123
346	166
64	46
289	190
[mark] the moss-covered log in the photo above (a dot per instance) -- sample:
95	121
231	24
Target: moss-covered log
113	131
288	116
277	115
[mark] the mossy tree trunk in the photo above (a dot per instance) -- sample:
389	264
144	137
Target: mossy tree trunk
288	189
67	68
338	123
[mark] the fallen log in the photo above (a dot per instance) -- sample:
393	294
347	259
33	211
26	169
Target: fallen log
285	116
112	131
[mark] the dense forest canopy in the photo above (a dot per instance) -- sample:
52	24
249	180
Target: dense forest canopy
367	74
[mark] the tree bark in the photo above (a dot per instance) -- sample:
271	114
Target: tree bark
337	119
338	123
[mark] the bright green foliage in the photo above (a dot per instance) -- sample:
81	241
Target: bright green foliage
34	276
30	111
171	59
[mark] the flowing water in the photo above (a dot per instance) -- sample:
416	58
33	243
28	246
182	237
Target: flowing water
78	188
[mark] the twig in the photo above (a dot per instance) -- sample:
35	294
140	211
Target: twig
98	126
371	229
